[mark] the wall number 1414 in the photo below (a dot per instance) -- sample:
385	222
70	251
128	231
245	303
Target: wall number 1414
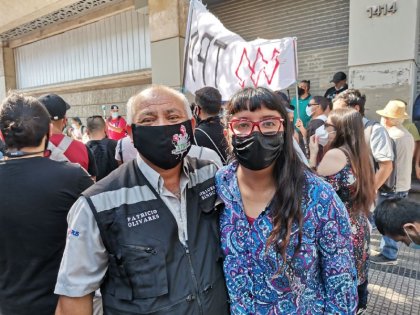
384	9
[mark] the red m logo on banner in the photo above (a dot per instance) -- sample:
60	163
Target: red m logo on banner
260	66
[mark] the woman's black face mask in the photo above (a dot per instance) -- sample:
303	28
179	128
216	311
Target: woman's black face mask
257	151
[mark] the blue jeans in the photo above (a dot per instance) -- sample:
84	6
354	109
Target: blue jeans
389	247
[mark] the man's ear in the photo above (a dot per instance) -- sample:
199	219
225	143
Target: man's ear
411	227
357	107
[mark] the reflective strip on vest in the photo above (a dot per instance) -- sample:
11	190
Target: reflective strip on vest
201	175
112	199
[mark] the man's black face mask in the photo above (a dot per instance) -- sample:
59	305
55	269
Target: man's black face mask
164	146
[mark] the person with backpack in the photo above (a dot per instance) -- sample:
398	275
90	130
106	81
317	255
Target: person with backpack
393	116
103	149
62	147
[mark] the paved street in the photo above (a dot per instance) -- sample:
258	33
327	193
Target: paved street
395	289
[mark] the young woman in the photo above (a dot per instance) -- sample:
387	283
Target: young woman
77	131
285	234
346	166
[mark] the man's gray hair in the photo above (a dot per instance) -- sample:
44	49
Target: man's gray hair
160	88
129	110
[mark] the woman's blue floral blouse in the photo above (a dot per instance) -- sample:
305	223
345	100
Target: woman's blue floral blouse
318	279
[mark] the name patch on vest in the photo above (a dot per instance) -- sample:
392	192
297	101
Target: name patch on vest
142	217
207	193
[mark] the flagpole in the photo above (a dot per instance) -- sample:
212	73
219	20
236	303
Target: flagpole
187	43
296	76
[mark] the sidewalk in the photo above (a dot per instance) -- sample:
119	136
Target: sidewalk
395	289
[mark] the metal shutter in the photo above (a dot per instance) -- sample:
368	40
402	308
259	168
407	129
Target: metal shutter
116	44
322	29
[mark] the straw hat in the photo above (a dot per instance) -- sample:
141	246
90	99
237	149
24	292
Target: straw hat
394	109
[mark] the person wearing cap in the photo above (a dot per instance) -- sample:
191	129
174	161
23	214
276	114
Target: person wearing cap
117	126
392	118
340	84
62	147
36	195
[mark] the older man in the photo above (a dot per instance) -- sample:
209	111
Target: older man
147	234
393	116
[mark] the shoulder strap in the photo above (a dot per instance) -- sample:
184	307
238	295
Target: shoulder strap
214	145
120	150
346	153
65	143
57	152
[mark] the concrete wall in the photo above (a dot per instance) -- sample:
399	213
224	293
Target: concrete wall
382	52
7	71
88	103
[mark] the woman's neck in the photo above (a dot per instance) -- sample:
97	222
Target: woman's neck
257	180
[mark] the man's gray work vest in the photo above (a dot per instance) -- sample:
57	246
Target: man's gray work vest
150	271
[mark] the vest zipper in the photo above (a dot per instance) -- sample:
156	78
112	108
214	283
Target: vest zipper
187	251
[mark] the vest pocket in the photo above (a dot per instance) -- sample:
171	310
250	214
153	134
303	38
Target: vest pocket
146	269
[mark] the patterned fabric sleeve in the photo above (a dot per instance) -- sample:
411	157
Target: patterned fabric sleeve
338	270
334	180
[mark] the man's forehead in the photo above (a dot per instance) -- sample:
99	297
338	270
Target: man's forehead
157	101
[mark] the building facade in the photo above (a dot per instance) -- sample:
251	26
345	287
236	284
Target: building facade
100	52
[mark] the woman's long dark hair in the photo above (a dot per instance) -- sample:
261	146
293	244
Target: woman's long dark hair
288	169
350	136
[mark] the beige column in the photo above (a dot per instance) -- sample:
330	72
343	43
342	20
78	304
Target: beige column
383	48
7	71
167	24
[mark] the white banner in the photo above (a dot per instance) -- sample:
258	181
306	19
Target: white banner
219	58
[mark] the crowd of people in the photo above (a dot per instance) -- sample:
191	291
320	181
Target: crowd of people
264	206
